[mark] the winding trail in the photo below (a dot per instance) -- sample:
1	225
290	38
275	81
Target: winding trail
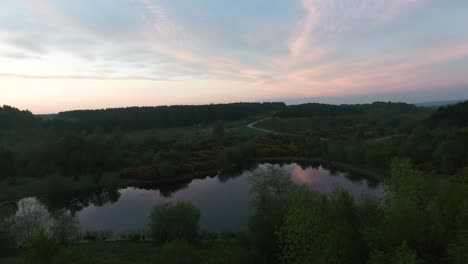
252	126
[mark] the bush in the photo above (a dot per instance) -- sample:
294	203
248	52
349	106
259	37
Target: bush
30	218
6	239
174	221
42	249
97	235
135	236
65	228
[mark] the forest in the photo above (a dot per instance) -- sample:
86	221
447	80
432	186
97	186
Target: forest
418	153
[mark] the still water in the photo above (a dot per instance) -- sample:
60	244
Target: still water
222	201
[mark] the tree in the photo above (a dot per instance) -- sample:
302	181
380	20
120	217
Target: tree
7	164
7	212
320	229
31	218
271	189
401	255
169	222
449	156
65	228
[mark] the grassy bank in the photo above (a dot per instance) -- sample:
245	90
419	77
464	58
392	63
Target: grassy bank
106	253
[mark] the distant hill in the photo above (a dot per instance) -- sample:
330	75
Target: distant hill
438	103
453	115
165	116
13	118
316	109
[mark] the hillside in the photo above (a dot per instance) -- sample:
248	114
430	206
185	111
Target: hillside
453	116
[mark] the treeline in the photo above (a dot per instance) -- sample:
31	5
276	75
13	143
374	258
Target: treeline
452	116
316	109
13	118
165	116
346	121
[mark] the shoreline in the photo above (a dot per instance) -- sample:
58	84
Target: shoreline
39	188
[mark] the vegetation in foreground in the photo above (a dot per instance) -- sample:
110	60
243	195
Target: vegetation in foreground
419	221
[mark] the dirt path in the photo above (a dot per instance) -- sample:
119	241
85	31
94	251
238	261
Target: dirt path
252	126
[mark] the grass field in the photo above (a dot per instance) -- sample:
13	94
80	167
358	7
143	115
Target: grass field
106	253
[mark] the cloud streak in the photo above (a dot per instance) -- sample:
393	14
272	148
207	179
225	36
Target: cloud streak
281	49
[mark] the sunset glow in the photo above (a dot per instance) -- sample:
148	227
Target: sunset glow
59	55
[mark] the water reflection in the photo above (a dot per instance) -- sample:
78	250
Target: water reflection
223	200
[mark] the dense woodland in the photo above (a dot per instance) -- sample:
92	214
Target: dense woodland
165	116
420	153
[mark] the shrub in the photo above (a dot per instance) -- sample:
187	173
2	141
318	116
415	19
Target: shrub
42	249
6	239
97	235
30	218
65	228
174	221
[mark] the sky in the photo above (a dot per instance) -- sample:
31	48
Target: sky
60	55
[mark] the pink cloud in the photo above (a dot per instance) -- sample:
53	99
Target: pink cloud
388	73
299	41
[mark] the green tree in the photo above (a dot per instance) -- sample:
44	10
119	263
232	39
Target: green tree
320	229
449	156
65	228
7	164
169	222
401	255
271	189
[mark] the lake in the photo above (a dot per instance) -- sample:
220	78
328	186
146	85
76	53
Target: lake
222	201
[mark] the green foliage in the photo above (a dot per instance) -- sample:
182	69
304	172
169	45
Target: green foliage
133	118
401	255
65	228
6	231
30	219
322	229
167	169
449	156
405	181
169	222
235	158
271	190
454	115
13	118
42	249
7	164
419	145
459	250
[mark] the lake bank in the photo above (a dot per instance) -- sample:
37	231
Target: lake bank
28	187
